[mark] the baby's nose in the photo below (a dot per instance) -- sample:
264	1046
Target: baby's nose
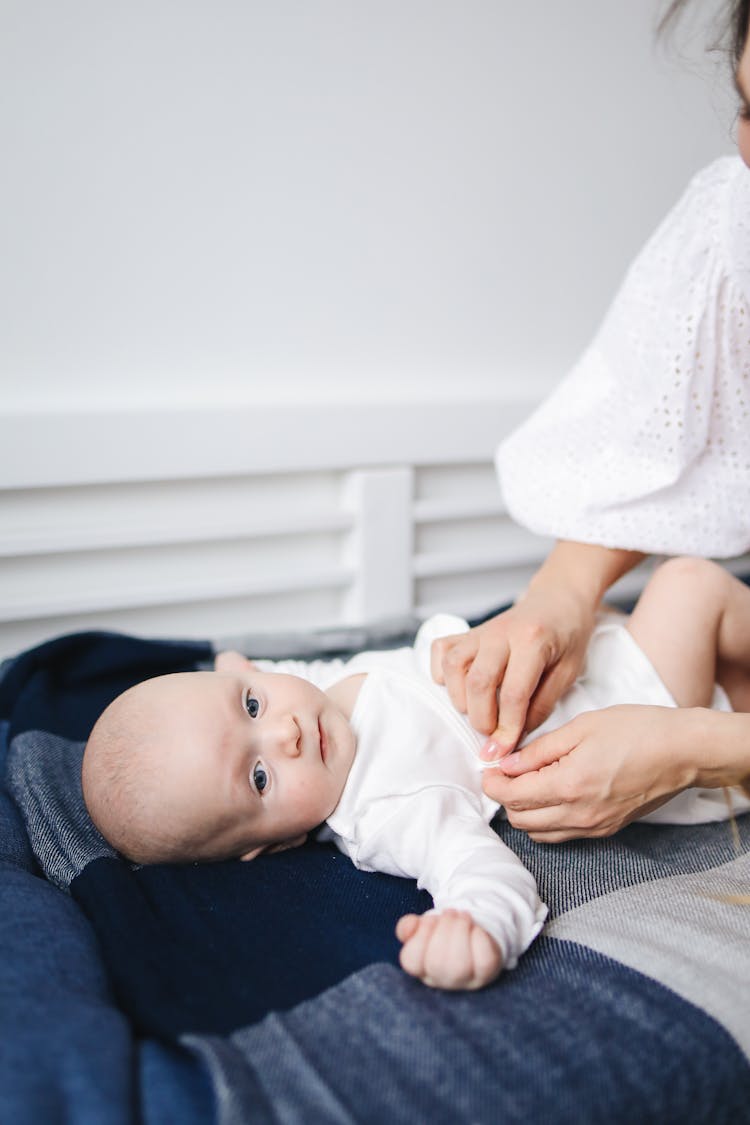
287	735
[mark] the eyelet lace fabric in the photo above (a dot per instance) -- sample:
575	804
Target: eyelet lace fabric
646	443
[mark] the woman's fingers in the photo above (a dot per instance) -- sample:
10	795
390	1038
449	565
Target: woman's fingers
507	673
540	752
545	786
487	672
522	674
553	684
472	666
450	659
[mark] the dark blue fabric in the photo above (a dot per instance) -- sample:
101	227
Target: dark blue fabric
67	1052
63	1041
64	685
215	947
15	850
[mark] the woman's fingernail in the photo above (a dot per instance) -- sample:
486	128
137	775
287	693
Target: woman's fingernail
506	764
490	751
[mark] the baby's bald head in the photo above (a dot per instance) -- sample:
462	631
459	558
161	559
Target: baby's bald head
131	766
120	771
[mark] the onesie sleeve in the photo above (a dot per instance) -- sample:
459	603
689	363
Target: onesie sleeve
646	444
440	839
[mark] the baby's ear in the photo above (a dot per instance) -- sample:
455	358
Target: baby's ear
232	663
297	842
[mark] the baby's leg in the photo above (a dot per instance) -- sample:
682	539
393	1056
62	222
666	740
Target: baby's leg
693	622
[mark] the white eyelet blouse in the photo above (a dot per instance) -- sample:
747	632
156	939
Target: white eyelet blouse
646	443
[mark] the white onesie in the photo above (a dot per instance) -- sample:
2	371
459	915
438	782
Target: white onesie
413	803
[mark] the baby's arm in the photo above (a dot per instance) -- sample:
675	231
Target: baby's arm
487	910
448	950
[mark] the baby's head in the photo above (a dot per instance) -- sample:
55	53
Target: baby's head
215	765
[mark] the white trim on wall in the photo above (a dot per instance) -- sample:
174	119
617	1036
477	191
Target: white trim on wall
52	448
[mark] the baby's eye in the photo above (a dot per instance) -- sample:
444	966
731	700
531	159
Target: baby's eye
260	777
252	706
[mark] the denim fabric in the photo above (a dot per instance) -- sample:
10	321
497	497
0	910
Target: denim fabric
172	1085
15	850
63	1042
68	1053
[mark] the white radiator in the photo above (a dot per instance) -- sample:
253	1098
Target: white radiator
203	522
198	523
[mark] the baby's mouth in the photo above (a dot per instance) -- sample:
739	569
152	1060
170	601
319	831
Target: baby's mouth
323	742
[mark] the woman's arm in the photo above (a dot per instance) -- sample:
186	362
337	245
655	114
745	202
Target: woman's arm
508	673
603	769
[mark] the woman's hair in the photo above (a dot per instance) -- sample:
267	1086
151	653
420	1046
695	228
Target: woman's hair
734	25
740	19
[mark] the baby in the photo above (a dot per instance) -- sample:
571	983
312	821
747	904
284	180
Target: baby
252	756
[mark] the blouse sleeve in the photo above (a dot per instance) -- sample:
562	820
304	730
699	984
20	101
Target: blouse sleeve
646	444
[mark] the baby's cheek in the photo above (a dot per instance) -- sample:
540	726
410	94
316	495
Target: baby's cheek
311	802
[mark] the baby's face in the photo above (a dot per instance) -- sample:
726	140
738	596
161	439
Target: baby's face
252	759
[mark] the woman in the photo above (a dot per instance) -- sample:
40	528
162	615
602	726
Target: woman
647	450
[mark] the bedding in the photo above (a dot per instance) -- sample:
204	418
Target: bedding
270	992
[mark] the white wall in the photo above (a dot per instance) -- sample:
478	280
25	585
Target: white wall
215	213
234	199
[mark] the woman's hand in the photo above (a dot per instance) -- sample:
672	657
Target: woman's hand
533	652
598	772
448	950
522	660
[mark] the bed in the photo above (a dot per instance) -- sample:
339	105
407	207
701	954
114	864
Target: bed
270	992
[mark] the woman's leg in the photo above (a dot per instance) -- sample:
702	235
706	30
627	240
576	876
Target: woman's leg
693	622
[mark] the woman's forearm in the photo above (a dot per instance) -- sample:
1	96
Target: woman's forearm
584	569
715	745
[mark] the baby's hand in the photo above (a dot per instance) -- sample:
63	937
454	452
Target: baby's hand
231	663
448	950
